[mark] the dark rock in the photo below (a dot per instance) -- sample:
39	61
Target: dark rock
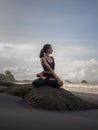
68	81
6	83
56	99
84	81
50	98
7	77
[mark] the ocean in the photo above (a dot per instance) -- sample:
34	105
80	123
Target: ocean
82	87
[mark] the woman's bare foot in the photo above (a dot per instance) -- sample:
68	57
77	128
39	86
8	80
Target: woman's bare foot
40	75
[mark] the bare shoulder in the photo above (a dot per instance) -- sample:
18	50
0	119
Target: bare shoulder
43	60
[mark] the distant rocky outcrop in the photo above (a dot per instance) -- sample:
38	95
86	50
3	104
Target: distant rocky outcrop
7	76
68	81
50	98
84	81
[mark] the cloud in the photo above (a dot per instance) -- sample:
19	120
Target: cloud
23	61
84	70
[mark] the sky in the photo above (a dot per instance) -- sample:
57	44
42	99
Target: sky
70	26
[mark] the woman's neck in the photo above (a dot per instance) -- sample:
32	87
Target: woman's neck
47	54
48	58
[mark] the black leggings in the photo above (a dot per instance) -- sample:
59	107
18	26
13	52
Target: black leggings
40	82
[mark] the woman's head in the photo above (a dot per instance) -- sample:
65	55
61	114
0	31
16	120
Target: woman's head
47	48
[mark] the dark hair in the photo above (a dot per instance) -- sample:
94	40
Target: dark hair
44	50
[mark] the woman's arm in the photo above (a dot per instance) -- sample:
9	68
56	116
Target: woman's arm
44	62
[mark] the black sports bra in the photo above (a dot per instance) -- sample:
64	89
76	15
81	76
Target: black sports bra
51	64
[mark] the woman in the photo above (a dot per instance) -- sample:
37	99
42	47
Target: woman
48	76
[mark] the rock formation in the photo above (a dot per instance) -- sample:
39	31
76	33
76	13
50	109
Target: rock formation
68	81
7	77
50	98
83	81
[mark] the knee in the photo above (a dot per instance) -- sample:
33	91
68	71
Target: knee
35	83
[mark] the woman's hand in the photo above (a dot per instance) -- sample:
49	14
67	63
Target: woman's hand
60	82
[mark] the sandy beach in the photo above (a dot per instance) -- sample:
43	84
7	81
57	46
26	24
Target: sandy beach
15	114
